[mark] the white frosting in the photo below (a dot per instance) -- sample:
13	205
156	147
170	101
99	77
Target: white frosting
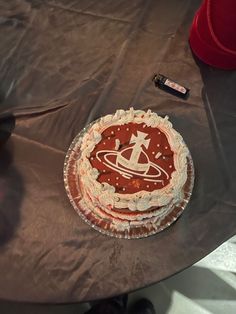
103	195
122	221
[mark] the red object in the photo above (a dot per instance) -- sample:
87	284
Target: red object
213	33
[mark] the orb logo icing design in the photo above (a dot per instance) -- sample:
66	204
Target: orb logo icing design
129	167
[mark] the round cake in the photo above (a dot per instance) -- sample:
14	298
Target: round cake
133	171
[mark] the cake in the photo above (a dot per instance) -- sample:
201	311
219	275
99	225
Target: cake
132	172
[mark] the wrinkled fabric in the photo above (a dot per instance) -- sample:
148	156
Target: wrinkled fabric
64	63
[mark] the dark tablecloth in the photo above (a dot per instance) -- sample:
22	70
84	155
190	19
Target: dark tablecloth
64	63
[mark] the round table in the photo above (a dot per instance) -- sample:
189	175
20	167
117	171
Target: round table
64	64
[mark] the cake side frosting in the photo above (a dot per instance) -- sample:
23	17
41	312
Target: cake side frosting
103	194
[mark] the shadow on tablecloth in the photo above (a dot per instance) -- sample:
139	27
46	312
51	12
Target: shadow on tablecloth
11	185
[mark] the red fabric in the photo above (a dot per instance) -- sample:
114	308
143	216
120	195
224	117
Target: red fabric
213	36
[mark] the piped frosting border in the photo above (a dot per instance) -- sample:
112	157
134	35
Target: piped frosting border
103	194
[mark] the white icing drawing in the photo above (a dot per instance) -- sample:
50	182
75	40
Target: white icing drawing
130	167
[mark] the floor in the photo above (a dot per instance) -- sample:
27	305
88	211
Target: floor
207	287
